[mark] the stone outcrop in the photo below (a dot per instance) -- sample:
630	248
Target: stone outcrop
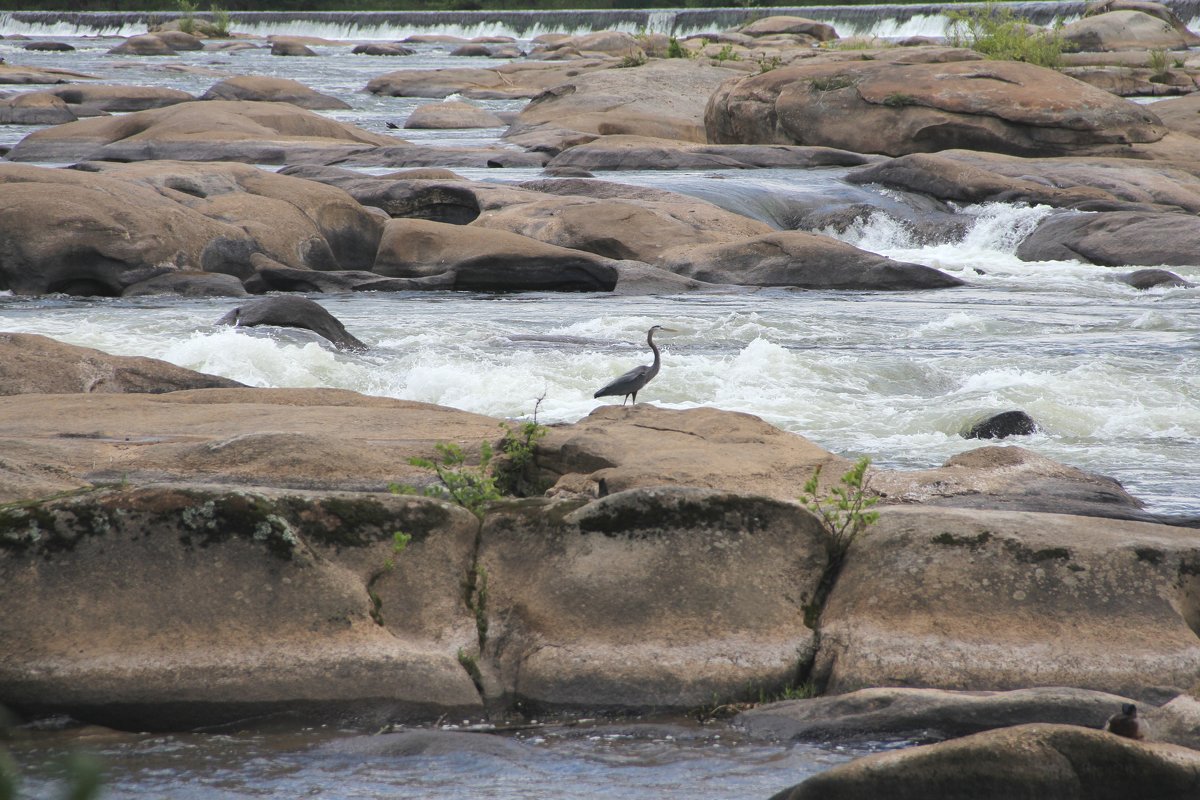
148	219
35	108
895	109
273	90
87	99
452	115
213	130
925	714
621	152
803	260
523	79
14	74
663	99
968	599
1115	239
652	598
1061	761
468	258
1127	29
235	605
33	364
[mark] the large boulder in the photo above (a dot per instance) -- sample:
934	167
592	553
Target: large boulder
1027	761
1115	239
322	439
214	130
468	258
272	90
14	74
518	79
32	364
775	25
178	607
97	97
1180	114
926	714
1094	184
655	598
146	44
995	600
449	114
35	108
805	260
621	152
1125	30
98	232
663	99
894	108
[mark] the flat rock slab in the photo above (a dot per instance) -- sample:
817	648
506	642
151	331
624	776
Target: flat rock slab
1027	761
927	714
964	599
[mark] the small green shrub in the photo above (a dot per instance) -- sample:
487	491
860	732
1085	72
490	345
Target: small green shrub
726	54
220	21
634	59
843	510
674	49
767	64
400	540
998	33
1158	62
470	486
187	20
899	100
831	83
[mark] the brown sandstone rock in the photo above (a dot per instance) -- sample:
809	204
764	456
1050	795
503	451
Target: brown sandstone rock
234	605
452	115
32	364
115	98
1115	239
893	108
659	598
1060	761
35	108
215	130
290	46
513	80
768	26
1180	114
13	74
147	44
620	152
969	599
131	222
663	99
468	258
1125	30
272	90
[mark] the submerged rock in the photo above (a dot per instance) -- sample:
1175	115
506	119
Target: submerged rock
1001	426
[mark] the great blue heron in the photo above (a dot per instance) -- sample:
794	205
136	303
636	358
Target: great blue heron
632	382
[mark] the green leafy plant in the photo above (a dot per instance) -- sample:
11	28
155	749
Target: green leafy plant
470	486
220	20
634	59
515	471
844	509
726	54
187	19
675	49
998	33
767	64
1178	63
400	540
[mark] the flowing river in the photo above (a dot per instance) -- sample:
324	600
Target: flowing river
1110	373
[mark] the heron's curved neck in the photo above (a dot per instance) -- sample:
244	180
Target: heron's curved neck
653	346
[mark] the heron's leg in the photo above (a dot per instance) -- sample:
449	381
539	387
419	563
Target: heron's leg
635	398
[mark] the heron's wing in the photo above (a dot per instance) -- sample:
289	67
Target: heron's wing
629	382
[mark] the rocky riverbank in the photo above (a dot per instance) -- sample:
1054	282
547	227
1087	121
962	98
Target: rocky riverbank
178	550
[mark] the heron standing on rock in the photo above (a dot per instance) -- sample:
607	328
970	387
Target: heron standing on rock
632	382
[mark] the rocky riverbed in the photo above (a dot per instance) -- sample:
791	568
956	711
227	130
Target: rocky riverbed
179	550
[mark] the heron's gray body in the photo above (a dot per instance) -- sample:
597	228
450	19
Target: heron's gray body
632	382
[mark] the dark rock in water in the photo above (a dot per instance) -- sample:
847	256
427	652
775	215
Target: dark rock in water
929	714
1152	278
382	50
1002	425
54	47
1115	239
292	312
1027	761
422	742
286	279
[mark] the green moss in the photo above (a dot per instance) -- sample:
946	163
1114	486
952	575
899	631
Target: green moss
950	540
43	527
1150	555
1028	555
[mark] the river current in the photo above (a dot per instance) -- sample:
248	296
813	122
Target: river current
1111	374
